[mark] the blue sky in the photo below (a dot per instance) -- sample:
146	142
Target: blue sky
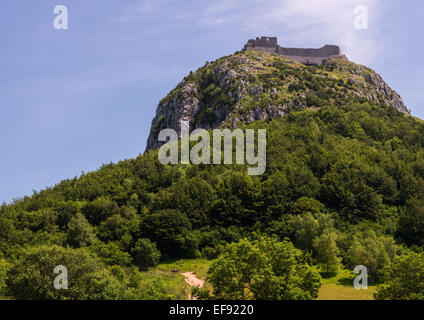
74	99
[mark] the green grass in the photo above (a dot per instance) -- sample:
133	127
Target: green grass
174	281
340	287
198	266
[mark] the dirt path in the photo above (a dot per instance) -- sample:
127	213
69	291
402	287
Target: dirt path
193	281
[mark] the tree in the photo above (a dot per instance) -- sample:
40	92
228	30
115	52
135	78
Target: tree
66	211
236	203
99	210
114	227
304	205
145	254
194	197
80	233
411	223
374	252
111	254
327	252
32	276
3	269
291	184
170	230
265	269
308	226
404	279
346	188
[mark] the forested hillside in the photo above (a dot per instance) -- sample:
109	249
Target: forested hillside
343	187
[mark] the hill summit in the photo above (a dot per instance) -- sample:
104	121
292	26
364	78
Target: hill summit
257	84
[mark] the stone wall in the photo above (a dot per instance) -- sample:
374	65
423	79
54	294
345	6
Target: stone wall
324	52
307	56
306	60
264	49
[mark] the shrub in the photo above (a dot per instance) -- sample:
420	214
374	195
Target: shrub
145	254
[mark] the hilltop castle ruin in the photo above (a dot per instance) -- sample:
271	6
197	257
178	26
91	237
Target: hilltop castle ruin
305	56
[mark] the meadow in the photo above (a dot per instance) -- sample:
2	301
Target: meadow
338	286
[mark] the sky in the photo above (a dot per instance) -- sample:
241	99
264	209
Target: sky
72	100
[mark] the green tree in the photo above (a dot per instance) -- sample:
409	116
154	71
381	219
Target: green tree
289	185
145	254
194	197
308	226
3	270
265	269
304	205
66	211
327	252
374	252
170	229
404	279
346	188
114	227
111	254
236	202
99	210
80	233
411	223
32	276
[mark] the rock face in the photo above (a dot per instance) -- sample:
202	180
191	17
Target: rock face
253	85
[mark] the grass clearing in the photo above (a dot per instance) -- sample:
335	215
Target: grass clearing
334	287
340	287
198	266
174	282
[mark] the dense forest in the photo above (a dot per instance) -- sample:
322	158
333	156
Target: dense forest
343	187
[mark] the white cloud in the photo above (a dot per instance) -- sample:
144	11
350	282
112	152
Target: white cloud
295	22
322	21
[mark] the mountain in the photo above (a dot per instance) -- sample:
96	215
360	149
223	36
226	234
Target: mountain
254	85
342	188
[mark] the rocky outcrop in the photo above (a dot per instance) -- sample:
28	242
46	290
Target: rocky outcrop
172	113
371	86
251	85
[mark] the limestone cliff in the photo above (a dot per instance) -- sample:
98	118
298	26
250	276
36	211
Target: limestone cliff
252	85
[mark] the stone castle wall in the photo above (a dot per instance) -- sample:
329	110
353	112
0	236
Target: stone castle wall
307	56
